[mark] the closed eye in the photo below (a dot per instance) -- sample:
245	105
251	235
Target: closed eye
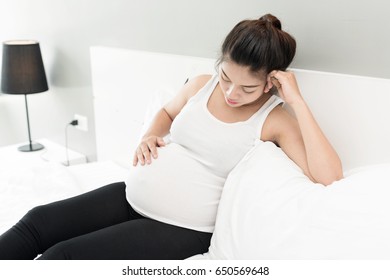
248	91
246	88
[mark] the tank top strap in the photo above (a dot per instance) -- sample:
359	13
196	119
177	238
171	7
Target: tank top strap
262	114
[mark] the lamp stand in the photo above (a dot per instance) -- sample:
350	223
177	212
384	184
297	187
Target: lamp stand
31	147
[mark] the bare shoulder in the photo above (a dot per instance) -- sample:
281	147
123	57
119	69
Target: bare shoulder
174	106
195	84
278	124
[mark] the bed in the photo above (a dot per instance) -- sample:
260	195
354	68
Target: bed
278	215
30	180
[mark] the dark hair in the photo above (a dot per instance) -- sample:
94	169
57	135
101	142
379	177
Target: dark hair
260	44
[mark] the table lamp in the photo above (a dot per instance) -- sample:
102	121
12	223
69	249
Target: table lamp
23	72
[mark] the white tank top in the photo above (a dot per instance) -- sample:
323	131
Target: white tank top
184	185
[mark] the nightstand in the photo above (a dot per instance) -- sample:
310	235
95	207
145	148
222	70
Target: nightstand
53	153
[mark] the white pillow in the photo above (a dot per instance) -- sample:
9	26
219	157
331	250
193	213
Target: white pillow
270	210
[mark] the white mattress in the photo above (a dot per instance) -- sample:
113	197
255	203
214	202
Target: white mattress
23	187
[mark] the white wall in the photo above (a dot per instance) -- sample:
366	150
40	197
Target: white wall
343	36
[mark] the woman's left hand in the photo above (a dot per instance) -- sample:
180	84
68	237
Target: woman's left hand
287	86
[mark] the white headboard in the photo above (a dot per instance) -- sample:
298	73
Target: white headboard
123	83
353	111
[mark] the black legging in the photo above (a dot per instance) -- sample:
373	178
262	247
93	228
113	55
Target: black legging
98	225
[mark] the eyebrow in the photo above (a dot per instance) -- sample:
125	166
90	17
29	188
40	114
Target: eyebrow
249	86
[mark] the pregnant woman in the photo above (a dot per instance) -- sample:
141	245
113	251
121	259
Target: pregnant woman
167	207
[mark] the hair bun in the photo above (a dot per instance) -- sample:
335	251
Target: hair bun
271	19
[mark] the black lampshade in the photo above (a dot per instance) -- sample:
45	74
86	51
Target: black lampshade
22	71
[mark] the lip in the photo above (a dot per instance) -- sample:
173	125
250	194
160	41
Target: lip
232	102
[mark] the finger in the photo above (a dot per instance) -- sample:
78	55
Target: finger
153	150
140	156
146	153
276	82
135	159
275	77
275	73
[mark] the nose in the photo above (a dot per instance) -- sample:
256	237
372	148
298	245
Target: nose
231	91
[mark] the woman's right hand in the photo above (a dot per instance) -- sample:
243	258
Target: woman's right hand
147	149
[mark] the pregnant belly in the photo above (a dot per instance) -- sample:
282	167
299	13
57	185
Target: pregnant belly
175	188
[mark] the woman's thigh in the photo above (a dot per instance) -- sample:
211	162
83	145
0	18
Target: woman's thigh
137	239
82	214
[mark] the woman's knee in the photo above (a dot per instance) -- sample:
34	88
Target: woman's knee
32	221
36	213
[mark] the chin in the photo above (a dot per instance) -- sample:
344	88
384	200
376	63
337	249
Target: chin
234	105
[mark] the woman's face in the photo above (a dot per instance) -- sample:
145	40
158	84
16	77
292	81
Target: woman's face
239	85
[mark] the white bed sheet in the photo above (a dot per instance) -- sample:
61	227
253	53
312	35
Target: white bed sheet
23	187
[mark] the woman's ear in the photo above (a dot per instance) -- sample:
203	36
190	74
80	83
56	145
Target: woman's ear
268	85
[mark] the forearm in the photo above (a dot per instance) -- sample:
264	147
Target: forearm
323	162
160	125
